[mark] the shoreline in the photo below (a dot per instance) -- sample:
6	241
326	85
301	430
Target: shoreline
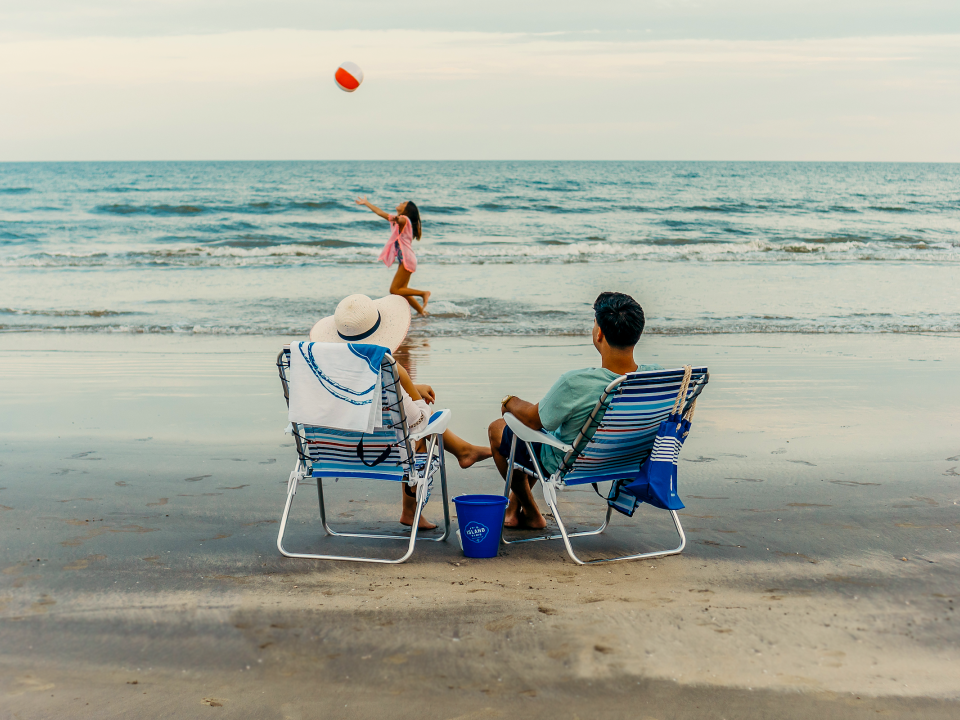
149	473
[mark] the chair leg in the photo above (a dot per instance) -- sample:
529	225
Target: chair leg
435	447
292	490
444	493
537	474
551	502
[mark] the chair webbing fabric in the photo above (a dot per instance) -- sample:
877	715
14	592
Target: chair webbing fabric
628	427
333	453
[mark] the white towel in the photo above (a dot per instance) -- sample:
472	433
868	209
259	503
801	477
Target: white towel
336	385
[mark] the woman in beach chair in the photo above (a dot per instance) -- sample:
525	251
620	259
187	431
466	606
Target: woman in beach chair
385	322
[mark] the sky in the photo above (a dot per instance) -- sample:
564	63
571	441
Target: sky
818	80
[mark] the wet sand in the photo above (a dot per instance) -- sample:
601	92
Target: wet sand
141	480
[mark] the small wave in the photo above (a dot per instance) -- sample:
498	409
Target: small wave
723	208
443	210
891	208
315	205
125	209
445	309
15	190
64	313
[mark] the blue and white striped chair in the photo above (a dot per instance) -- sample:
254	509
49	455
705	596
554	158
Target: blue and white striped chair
385	454
613	443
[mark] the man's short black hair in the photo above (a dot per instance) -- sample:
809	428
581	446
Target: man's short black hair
620	317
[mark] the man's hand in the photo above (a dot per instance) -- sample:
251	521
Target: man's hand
362	200
427	393
527	413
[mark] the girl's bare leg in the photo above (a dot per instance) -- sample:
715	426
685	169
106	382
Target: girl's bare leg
399	287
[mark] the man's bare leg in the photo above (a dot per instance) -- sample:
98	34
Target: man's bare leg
522	509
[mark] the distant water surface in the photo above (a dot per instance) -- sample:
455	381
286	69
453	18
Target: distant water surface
508	247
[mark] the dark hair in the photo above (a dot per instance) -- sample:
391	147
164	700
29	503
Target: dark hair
413	214
620	317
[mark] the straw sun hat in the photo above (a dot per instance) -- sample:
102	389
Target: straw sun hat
362	320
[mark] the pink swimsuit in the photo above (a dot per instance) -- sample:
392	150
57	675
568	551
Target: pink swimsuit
400	245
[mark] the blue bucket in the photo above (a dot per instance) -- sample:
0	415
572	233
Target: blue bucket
481	520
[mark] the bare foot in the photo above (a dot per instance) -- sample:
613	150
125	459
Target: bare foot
511	521
424	524
524	522
426	299
534	523
475	454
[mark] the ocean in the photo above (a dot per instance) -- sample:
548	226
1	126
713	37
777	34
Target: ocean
512	248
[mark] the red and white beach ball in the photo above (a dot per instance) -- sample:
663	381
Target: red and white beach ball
348	76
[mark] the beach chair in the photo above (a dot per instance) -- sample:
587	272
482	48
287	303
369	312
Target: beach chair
613	443
385	454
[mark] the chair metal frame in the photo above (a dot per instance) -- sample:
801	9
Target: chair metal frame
550	486
433	430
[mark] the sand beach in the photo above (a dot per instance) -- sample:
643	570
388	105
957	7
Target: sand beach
142	477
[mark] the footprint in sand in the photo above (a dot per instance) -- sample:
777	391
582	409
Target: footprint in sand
854	483
196	478
238	487
158	503
271	461
84	562
42	605
952	472
802	462
745	479
700	459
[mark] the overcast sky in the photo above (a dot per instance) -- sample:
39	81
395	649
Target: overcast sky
511	79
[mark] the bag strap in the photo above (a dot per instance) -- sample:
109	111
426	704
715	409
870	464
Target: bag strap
682	392
380	458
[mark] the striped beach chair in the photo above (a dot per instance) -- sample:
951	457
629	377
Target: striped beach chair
388	453
613	443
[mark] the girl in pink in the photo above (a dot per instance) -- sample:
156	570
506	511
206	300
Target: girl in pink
404	226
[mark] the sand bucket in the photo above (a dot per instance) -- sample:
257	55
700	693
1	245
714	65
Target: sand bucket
481	520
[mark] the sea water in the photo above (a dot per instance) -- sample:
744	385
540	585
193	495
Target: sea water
517	248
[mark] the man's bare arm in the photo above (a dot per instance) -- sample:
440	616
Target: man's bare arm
527	413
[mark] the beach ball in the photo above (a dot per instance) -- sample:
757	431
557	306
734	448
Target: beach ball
348	77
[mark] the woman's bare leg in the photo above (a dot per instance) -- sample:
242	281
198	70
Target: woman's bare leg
466	453
399	287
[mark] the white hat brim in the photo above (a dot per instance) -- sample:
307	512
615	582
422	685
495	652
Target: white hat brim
394	324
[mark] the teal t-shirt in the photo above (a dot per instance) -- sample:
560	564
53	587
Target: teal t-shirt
568	404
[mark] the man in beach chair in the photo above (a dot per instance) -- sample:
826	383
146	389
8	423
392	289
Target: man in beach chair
565	408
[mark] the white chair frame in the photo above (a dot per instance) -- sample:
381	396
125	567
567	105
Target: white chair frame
550	486
434	431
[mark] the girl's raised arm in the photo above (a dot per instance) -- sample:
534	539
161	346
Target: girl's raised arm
378	211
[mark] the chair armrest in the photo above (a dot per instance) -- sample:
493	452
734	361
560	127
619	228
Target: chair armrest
436	426
530	435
